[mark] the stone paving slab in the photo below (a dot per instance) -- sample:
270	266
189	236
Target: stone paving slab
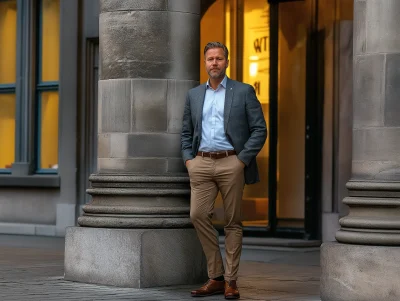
32	269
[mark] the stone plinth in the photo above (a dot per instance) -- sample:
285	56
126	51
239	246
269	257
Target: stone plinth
359	273
136	258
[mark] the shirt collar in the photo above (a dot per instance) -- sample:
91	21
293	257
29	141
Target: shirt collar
223	83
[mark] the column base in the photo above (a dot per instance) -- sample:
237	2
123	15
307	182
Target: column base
136	258
359	273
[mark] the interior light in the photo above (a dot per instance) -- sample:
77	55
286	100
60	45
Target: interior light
253	69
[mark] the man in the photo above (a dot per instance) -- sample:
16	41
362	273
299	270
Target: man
222	132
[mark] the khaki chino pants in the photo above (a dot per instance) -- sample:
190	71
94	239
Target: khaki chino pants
207	177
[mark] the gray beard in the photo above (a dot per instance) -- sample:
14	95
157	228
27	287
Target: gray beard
221	75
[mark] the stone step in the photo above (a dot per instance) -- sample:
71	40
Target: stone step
279	243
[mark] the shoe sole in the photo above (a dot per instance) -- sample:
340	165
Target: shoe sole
232	297
212	294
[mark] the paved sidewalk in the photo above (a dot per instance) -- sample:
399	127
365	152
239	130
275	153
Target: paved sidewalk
31	268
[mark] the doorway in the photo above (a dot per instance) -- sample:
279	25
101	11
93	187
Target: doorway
273	49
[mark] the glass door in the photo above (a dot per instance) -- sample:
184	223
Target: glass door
272	48
295	119
255	71
294	19
243	26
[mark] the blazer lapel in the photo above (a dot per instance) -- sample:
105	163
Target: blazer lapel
199	107
228	101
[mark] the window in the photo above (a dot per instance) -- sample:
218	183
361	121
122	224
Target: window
8	42
47	86
29	107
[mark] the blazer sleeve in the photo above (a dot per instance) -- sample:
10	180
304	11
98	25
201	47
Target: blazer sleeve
257	128
187	132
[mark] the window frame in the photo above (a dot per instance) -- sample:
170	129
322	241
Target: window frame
24	171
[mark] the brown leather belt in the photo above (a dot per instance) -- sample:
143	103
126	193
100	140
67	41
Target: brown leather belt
217	155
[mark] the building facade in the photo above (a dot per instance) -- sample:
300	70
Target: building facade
296	54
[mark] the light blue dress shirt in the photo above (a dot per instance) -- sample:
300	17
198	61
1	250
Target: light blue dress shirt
213	136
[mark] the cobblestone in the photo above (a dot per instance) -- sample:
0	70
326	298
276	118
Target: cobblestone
31	268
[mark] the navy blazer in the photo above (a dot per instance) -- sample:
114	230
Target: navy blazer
244	124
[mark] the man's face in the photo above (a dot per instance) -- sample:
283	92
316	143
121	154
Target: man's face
216	63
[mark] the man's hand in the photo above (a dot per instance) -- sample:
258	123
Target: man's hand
187	163
241	162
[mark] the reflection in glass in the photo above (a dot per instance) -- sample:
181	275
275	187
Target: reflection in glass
48	130
8	41
50	35
294	23
7	130
256	73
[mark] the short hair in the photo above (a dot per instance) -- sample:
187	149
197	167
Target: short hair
212	45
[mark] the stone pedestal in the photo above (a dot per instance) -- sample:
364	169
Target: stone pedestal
359	273
364	266
137	258
136	232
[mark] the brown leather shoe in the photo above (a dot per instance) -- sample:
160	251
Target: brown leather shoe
211	287
231	290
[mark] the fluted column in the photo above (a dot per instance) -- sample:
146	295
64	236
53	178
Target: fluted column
149	53
362	266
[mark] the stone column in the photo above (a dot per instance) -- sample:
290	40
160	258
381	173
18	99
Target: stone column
136	232
364	265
